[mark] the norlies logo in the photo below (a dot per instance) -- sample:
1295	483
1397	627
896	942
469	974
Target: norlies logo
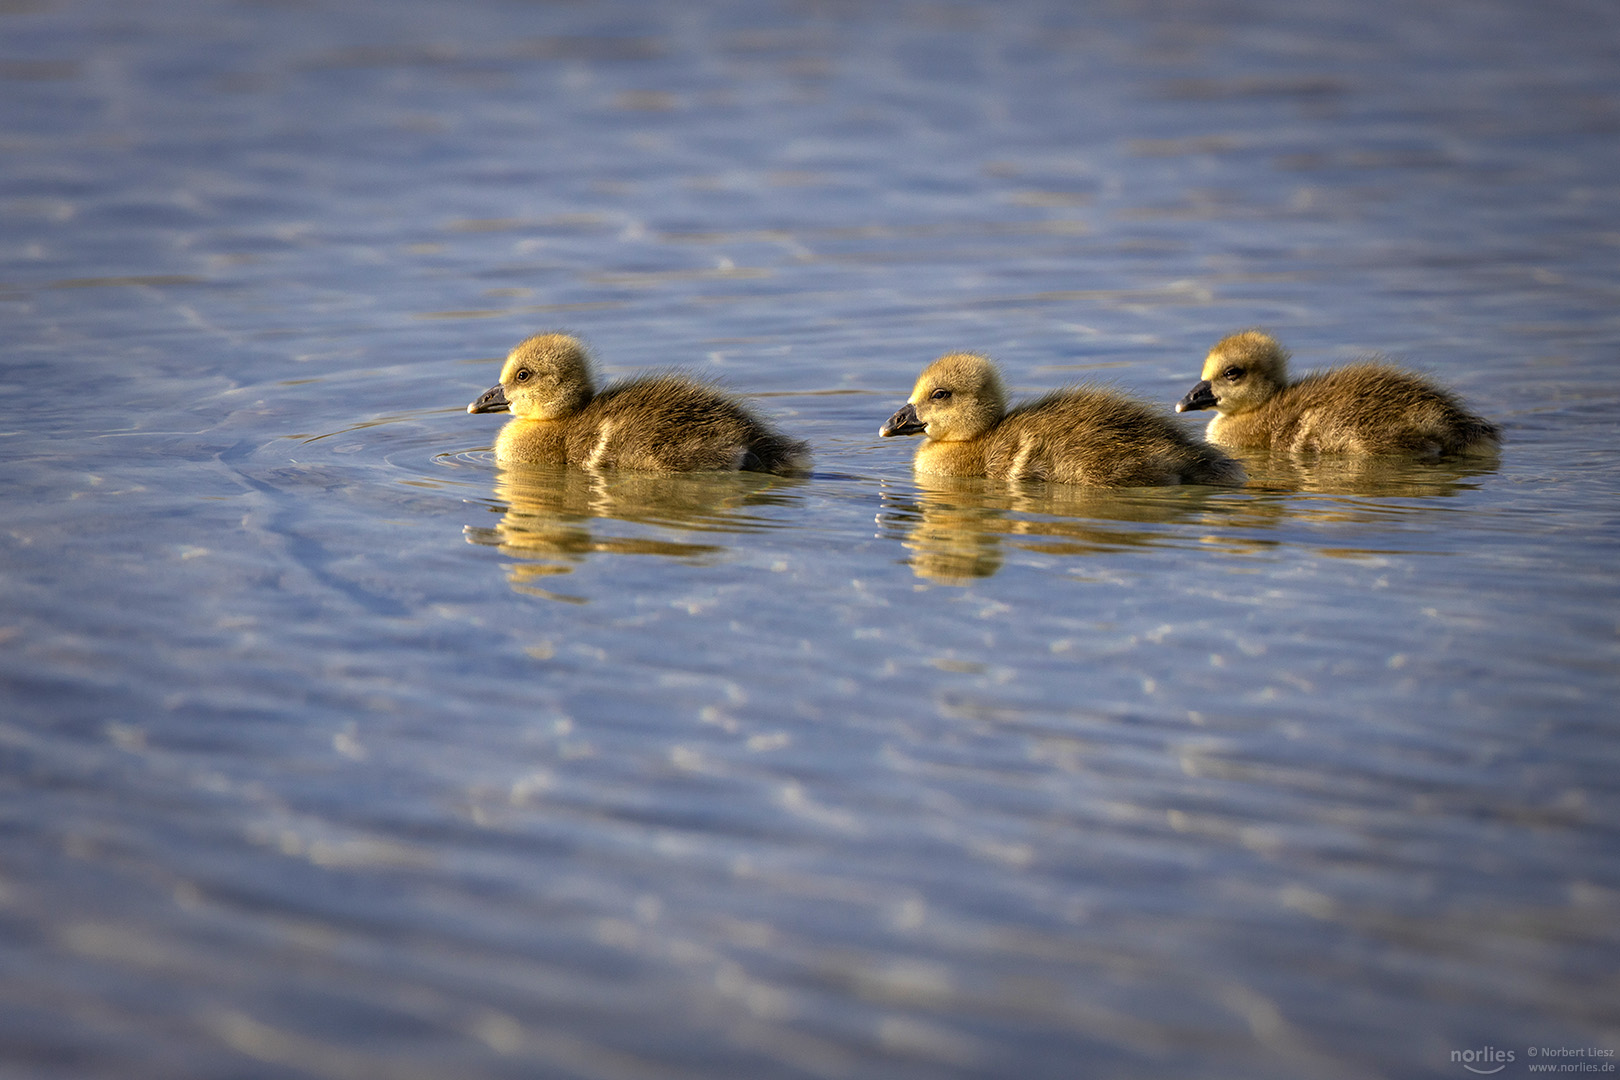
1485	1061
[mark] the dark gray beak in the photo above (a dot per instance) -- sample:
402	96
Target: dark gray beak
904	422
491	400
1201	396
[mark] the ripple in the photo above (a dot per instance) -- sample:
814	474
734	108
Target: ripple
1009	777
460	459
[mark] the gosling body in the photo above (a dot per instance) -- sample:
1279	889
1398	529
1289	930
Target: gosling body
1369	408
1083	435
663	422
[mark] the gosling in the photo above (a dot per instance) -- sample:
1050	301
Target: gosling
1364	409
1083	435
662	422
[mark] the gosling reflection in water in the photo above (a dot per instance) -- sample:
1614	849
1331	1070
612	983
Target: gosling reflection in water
554	518
957	526
1393	476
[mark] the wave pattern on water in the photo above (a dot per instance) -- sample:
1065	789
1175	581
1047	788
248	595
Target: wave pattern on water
333	748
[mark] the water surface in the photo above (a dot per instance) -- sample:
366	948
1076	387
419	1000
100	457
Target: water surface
334	749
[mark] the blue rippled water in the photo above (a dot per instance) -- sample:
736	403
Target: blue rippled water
331	748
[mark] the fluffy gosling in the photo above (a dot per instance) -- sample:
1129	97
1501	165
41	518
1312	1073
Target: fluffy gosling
662	422
1366	408
1083	435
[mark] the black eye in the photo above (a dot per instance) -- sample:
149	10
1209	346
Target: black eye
940	395
1232	373
523	374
